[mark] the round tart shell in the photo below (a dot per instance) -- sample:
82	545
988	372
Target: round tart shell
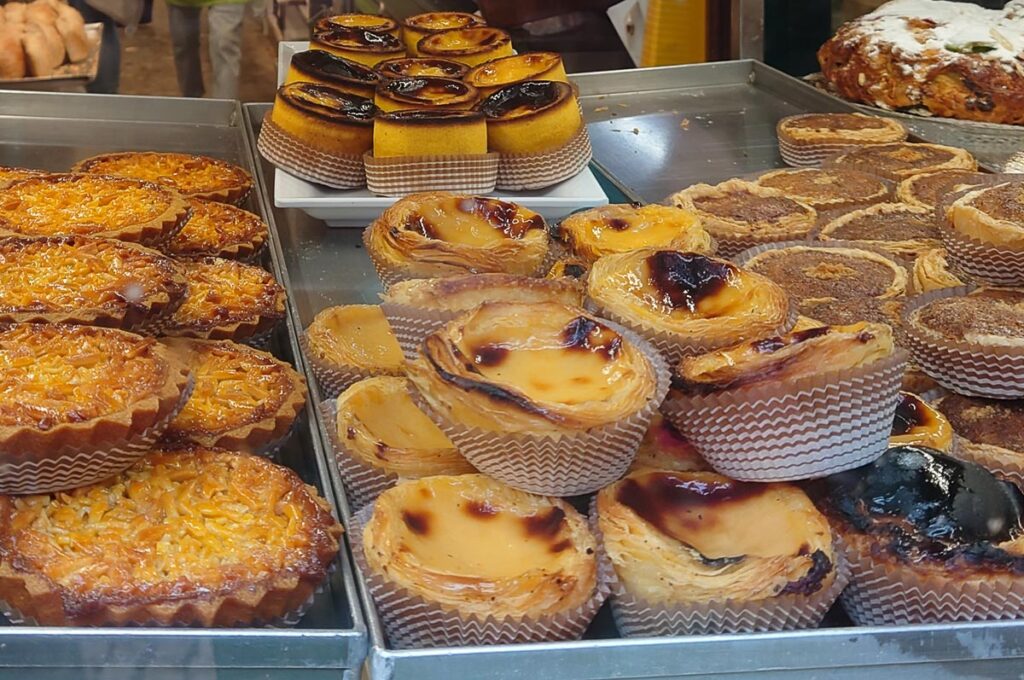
479	44
578	230
493	75
348	45
423	92
419	26
904	247
243	241
869	159
234	188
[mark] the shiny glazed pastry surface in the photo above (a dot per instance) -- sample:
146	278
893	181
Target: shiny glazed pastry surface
498	73
469	46
424	92
479	547
359	45
463	293
414	67
324	68
619	228
354	335
190	174
916	422
218	229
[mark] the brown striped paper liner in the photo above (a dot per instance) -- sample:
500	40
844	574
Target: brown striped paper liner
402	175
412	621
412	324
967	368
333	380
363	483
792	430
338	171
70	469
570	465
983	262
889	592
525	172
808	155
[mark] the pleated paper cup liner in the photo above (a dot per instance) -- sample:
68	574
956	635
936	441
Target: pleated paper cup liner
888	592
388	274
967	368
801	429
570	465
525	172
402	175
333	380
981	262
363	483
1003	463
412	324
805	155
338	171
75	467
410	621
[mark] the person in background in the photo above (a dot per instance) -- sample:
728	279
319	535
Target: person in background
108	72
224	21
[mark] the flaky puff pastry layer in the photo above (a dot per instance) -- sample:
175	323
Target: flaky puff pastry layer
435	234
463	293
685	537
620	228
542	368
482	548
788	357
688	294
991	215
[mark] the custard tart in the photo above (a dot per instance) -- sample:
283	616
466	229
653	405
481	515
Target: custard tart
928	189
988	317
897	228
469	46
739	214
323	68
429	132
226	300
184	537
361	46
420	67
438	234
665	448
918	423
191	175
901	160
91	205
531	117
493	75
326	119
218	230
687	302
84	280
348	343
825	189
807	139
993	215
374	23
990	432
424	92
419	26
243	400
609	229
932	271
10	174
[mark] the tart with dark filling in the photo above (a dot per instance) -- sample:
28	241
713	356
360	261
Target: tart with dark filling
359	45
531	117
665	448
932	271
825	189
810	137
424	92
439	234
894	227
990	317
428	132
218	230
192	175
84	280
609	229
993	215
374	23
904	159
419	26
243	400
928	189
323	68
348	343
421	67
91	205
469	46
10	174
990	432
843	312
493	75
183	537
918	423
325	118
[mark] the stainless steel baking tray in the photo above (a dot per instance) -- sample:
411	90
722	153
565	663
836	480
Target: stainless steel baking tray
732	110
52	131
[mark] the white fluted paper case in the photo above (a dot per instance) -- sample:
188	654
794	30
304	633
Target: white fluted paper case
410	621
1003	463
363	483
983	262
403	175
412	324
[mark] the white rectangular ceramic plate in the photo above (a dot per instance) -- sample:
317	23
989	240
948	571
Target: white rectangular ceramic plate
357	208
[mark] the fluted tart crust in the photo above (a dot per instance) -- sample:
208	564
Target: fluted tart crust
463	293
737	208
617	228
901	160
991	317
219	230
192	175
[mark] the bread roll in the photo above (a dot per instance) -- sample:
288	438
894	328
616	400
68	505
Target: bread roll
71	27
44	48
40	12
12	56
14	12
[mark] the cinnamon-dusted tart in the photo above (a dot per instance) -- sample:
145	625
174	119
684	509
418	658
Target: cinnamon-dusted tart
740	214
990	432
904	159
358	22
190	174
417	67
993	215
437	234
10	174
244	399
610	229
807	139
927	189
989	317
424	92
894	227
665	448
348	343
226	300
932	271
85	280
419	26
498	73
79	204
917	422
686	302
218	230
469	46
323	68
825	189
193	536
359	45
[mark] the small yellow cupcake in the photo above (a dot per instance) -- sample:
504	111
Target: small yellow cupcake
531	117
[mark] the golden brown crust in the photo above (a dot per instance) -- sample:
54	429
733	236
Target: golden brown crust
853	129
463	293
825	189
927	189
737	209
473	42
894	227
606	230
991	215
10	174
412	67
354	337
192	536
932	272
219	230
192	175
665	448
904	159
425	92
992	317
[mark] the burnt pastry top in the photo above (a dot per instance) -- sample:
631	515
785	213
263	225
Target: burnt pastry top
619	228
985	316
540	367
427	91
993	214
521	100
461	540
699	537
927	189
356	21
896	227
328	103
818	273
904	159
425	118
840	128
786	358
463	293
464	41
333	68
737	208
995	422
825	189
665	448
920	507
417	67
359	40
435	22
917	422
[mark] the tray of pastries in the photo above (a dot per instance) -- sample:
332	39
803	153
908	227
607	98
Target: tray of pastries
45	44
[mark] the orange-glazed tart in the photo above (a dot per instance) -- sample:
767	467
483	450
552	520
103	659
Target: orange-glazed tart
696	552
904	159
192	175
243	400
364	47
324	119
497	73
456	560
78	403
469	46
419	67
419	26
428	132
594	233
917	422
424	92
85	280
193	536
218	230
226	300
348	343
374	23
88	205
665	448
323	68
9	174
437	234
